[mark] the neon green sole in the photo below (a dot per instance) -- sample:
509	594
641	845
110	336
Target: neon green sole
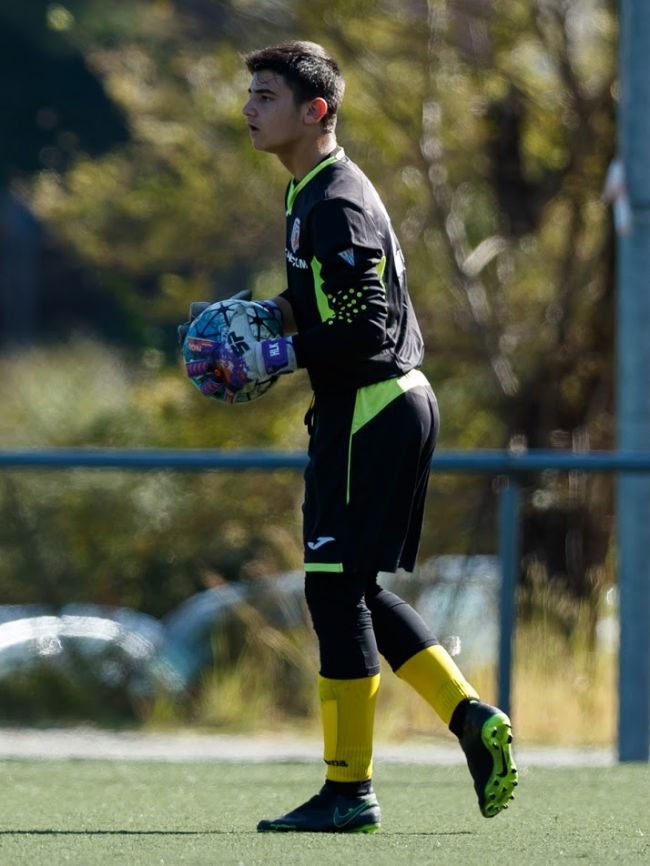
496	735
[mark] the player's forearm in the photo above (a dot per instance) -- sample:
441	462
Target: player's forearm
343	340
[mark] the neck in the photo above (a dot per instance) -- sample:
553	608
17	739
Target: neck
300	160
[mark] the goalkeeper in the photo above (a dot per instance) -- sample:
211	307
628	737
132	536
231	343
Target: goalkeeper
348	320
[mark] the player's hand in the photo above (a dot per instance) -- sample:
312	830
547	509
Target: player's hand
233	367
205	371
271	357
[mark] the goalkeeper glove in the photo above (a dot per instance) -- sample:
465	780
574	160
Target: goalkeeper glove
258	362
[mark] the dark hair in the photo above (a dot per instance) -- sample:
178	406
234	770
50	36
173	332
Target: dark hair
309	71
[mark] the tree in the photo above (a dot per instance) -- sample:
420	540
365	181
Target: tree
53	106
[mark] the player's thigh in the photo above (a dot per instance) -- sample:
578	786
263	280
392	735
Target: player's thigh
390	456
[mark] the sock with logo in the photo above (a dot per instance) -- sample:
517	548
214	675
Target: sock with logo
435	676
348	713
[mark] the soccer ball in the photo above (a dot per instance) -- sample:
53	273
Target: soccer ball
235	324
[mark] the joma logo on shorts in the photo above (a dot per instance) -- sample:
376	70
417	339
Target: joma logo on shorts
320	541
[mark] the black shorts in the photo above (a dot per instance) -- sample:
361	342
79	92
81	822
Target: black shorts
365	485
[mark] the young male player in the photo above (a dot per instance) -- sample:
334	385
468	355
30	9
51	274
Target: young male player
373	428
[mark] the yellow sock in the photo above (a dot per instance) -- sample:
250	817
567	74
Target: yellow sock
348	714
433	674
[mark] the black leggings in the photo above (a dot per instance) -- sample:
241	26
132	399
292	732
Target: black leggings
355	619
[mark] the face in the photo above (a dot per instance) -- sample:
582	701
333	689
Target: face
274	121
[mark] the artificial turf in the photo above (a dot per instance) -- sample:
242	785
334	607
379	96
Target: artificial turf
113	812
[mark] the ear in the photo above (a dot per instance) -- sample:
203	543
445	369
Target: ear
316	110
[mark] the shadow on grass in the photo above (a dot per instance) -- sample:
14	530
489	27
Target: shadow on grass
116	832
206	833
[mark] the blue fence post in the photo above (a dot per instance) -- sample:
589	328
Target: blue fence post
509	558
633	395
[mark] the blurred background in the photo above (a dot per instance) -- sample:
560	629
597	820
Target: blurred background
128	189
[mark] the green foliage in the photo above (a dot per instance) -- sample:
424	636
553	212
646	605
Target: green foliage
53	104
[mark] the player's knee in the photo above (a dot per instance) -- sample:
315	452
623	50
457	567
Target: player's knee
343	625
335	602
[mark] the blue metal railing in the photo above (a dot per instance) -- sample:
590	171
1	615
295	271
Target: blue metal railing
187	459
509	466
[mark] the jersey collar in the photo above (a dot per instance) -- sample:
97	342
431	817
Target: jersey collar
295	188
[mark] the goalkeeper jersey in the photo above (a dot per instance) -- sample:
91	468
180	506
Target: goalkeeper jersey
346	281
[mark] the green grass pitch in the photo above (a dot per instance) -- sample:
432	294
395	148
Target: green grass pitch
101	812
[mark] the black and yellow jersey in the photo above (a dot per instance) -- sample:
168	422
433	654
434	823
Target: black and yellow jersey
347	281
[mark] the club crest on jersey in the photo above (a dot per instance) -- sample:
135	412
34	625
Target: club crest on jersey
295	235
